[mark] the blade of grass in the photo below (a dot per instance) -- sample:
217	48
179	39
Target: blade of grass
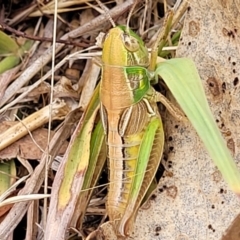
182	78
70	177
97	160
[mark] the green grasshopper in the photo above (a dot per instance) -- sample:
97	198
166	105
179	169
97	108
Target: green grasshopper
132	124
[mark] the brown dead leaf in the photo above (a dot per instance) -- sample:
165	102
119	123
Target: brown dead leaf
233	232
6	208
64	88
41	89
25	147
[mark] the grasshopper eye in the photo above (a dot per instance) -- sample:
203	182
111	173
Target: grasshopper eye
131	44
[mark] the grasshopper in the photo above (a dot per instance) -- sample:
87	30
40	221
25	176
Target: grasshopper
131	122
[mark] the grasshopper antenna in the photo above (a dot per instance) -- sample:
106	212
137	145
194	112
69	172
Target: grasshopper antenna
130	13
105	9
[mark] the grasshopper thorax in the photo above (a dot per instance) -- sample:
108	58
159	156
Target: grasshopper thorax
125	79
122	47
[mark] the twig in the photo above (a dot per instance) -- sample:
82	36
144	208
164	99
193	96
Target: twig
4	26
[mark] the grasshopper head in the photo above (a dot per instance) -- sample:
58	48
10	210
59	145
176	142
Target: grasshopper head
122	47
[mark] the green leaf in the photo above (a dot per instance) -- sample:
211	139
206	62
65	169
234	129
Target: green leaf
182	78
97	159
7	44
7	169
9	63
14	59
78	153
